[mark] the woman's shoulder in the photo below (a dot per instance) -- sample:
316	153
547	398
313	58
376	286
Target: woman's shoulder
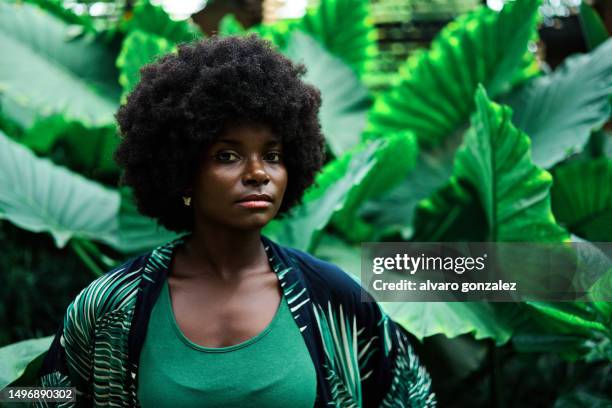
113	290
328	281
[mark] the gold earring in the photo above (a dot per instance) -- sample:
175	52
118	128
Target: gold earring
187	201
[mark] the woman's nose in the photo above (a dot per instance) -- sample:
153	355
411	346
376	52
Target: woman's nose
255	172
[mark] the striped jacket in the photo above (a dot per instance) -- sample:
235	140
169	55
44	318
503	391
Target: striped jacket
362	358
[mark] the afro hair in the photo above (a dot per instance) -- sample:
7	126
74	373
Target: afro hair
185	101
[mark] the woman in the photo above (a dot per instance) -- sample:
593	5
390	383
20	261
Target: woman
218	140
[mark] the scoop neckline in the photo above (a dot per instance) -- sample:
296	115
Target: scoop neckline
188	342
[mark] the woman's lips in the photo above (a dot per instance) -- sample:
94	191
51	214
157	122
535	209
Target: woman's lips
255	204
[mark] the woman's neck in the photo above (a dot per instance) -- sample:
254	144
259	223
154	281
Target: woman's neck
224	253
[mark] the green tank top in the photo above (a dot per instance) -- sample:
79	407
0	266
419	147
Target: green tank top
272	369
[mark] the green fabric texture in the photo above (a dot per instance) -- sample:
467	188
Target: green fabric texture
252	373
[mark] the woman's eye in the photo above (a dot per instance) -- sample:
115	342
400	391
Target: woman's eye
227	156
273	156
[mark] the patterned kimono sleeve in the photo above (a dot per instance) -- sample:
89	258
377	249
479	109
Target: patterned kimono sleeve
410	381
394	376
68	360
410	384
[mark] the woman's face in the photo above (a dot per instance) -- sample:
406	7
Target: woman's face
246	160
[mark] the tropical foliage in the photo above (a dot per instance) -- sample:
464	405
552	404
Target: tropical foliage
473	142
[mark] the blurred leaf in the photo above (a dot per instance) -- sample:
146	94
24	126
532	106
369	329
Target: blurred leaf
435	93
138	233
345	28
15	357
85	149
582	198
514	193
345	101
277	32
57	8
42	73
39	196
229	25
137	50
393	161
424	319
345	255
558	111
570	317
154	20
593	29
302	228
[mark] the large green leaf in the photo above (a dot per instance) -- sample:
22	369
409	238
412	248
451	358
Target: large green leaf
424	319
15	358
346	29
39	196
154	20
85	149
138	49
345	101
514	193
582	198
303	226
495	194
82	23
343	27
138	233
558	111
434	96
42	73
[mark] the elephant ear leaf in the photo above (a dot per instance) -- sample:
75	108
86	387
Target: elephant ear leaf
495	159
345	28
434	95
559	111
16	359
582	198
43	74
345	100
495	162
38	195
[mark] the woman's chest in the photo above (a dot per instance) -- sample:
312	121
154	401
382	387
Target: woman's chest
212	314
